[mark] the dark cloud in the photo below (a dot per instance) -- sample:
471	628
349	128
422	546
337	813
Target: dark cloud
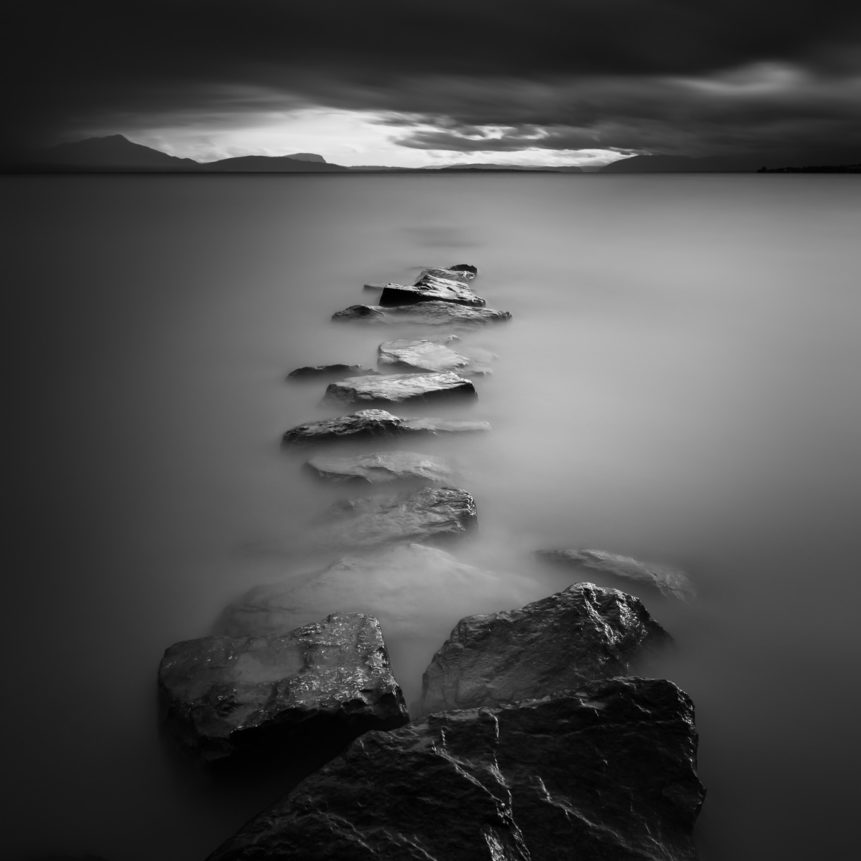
609	71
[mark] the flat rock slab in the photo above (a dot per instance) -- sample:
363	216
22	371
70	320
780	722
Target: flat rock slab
425	313
582	633
336	370
672	582
433	285
226	695
421	354
375	423
381	467
398	388
432	513
408	587
605	772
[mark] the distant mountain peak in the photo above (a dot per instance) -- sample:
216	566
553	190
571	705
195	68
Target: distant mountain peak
307	156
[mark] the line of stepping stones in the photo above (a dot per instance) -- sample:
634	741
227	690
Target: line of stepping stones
535	743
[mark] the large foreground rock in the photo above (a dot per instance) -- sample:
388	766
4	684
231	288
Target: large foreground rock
584	632
398	388
380	467
433	285
375	423
432	513
339	369
225	695
606	773
410	588
426	313
669	581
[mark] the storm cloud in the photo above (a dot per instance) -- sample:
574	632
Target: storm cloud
468	76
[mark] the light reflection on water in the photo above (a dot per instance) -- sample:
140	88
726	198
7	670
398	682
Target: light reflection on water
679	383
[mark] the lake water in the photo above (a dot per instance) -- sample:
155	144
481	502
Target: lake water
680	382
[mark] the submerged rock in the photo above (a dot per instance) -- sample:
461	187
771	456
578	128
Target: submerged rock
426	313
397	388
669	581
429	514
605	772
408	587
374	423
226	695
338	369
584	632
421	354
433	285
380	467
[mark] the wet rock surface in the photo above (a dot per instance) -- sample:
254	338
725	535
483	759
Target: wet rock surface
380	467
582	633
336	370
672	582
224	696
398	388
426	313
406	586
422	355
374	423
433	513
433	285
606	772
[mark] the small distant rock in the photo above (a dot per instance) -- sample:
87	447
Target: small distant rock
672	582
584	632
429	514
336	370
397	388
226	695
408	587
426	313
381	467
433	285
465	269
604	773
374	423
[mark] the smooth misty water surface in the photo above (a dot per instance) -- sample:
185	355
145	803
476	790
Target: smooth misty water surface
680	382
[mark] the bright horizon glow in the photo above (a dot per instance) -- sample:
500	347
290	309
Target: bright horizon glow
350	138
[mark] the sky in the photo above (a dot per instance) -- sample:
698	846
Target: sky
415	82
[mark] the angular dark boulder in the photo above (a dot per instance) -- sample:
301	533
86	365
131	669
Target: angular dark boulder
582	633
433	285
425	313
466	270
336	370
375	423
430	514
224	696
408	587
606	773
380	467
398	388
672	582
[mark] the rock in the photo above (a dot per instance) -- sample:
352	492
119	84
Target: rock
397	388
422	354
225	695
380	467
426	313
669	581
606	773
429	514
408	587
374	423
336	370
584	632
433	285
465	269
